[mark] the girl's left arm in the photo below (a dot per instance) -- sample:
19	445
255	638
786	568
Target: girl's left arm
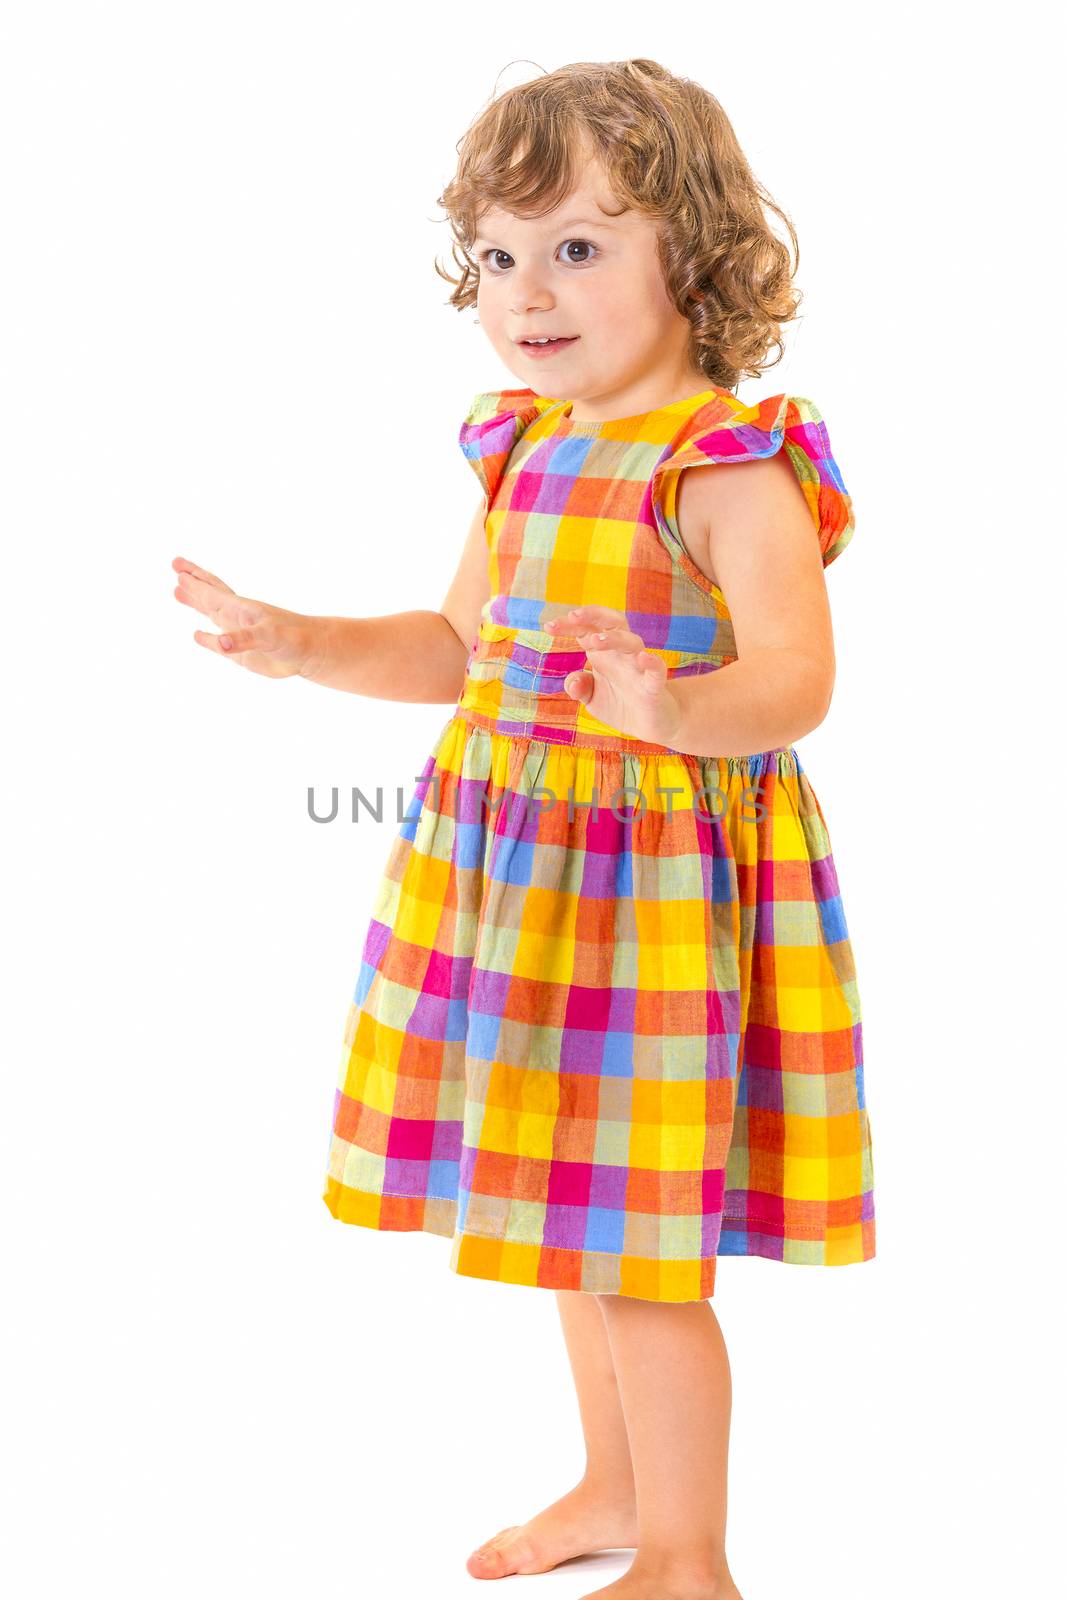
757	537
757	542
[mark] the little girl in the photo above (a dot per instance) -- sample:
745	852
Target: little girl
606	1027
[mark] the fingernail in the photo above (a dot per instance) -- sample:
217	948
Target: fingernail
225	642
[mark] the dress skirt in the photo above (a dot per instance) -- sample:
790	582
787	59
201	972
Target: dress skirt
606	1026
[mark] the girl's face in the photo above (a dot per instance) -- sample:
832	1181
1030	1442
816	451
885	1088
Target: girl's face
581	274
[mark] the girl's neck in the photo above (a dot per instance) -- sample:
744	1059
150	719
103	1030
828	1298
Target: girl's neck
651	394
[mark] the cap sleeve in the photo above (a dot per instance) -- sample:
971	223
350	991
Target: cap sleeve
492	427
760	430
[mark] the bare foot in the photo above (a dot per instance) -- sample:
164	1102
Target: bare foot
682	1585
582	1520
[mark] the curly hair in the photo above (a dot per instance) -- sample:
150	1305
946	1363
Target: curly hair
669	150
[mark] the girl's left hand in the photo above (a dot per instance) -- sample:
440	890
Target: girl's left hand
624	685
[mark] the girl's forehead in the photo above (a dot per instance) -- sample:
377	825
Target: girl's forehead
590	200
588	205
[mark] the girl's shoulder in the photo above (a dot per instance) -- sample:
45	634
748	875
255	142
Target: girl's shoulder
493	404
494	422
726	429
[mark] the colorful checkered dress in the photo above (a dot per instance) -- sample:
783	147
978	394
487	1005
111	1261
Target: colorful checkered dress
606	1026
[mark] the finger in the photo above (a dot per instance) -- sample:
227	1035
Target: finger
580	685
221	605
621	639
203	598
206	597
585	619
238	641
214	643
588	619
653	670
616	636
180	565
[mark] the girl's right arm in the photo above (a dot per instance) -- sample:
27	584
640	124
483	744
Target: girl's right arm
409	655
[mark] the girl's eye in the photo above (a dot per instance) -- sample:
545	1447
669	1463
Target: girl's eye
582	244
567	246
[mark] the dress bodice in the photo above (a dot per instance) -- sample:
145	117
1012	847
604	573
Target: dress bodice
585	513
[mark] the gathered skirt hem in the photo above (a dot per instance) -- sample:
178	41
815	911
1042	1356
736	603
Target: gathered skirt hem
479	1255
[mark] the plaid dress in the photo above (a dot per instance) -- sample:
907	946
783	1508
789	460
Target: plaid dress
606	1027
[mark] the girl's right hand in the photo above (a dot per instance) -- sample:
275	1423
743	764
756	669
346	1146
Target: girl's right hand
263	638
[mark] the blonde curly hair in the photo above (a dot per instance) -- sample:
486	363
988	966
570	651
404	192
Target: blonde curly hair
669	150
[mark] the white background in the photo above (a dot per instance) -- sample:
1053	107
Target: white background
222	337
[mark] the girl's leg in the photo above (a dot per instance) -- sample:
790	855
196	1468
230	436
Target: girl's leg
599	1513
674	1382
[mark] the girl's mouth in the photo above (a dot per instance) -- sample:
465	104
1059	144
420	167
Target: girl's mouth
549	347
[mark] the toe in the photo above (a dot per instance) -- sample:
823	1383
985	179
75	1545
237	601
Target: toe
489	1560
